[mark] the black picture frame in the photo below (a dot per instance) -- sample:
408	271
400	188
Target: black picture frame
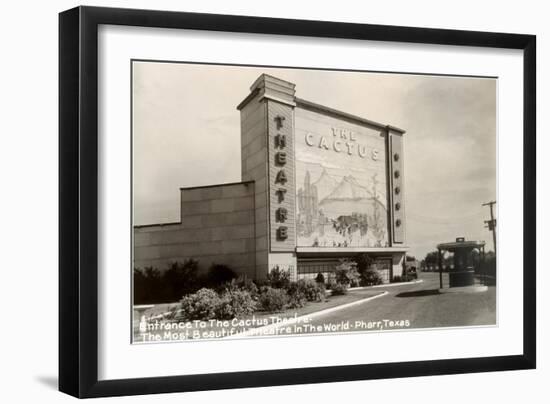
78	200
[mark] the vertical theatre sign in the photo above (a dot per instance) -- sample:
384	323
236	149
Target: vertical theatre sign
281	213
281	162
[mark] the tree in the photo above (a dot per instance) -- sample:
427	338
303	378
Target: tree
431	260
364	262
346	273
181	279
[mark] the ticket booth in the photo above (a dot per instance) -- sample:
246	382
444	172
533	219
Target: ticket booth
464	262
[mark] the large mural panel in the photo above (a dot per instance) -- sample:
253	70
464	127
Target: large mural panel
341	197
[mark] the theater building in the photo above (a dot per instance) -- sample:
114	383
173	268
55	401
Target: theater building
317	185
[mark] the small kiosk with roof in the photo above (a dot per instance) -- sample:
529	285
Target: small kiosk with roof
466	269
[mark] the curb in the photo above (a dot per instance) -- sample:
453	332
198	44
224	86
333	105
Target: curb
257	332
388	285
465	289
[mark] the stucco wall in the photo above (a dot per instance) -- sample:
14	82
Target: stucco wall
217	226
270	99
254	167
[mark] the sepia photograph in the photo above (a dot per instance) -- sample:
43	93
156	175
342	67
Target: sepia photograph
285	201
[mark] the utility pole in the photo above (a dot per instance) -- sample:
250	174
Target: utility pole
492	224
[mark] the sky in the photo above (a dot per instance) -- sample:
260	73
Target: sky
186	132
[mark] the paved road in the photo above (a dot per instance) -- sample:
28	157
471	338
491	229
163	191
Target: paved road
421	306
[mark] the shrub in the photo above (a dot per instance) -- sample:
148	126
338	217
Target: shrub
242	283
364	262
205	304
235	303
371	278
338	288
312	291
368	275
320	278
295	302
273	299
278	278
296	296
346	273
218	275
396	279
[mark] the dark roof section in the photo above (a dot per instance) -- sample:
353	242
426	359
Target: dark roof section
321	108
457	245
137	226
219	185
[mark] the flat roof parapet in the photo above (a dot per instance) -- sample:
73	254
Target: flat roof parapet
344	115
273	88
